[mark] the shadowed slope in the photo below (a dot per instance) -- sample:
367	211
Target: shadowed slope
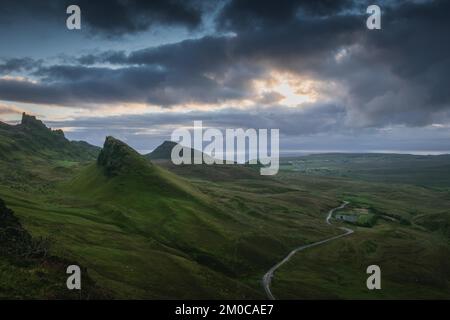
32	139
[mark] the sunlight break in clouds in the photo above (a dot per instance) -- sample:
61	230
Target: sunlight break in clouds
288	89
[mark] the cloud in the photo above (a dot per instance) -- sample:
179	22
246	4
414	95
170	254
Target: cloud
134	16
394	76
109	17
262	14
319	128
80	85
18	65
313	118
206	70
5	109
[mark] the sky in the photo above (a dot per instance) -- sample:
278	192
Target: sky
138	70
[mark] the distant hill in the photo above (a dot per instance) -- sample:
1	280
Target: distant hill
140	229
218	172
425	170
164	152
149	229
32	139
122	173
148	201
33	155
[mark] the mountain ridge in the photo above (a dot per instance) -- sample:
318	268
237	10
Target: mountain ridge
164	152
32	139
116	156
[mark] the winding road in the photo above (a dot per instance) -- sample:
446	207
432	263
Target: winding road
267	278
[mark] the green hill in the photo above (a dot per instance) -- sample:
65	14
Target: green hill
162	152
124	215
219	172
33	155
122	174
165	218
32	139
425	170
28	270
145	228
144	232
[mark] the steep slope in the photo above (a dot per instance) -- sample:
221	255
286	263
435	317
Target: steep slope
32	139
164	152
29	271
218	172
144	232
178	221
122	174
33	156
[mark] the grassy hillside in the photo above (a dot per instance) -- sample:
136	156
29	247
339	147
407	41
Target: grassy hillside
409	241
31	140
170	237
28	269
414	265
162	152
215	172
33	156
398	168
150	229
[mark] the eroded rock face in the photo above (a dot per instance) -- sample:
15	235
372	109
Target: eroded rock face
32	122
22	251
7	217
14	239
117	157
32	139
163	151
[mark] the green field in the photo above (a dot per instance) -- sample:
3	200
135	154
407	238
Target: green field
143	228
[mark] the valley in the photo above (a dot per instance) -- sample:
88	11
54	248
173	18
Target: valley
144	228
267	279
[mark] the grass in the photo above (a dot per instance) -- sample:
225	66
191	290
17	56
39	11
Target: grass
414	260
147	233
414	265
206	239
430	171
153	230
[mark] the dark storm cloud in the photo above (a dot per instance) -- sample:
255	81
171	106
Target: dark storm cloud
299	42
397	75
196	55
18	65
114	57
120	17
239	15
205	70
108	17
422	54
187	72
311	119
80	85
317	127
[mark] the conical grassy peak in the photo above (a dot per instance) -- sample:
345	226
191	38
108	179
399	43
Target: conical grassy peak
117	157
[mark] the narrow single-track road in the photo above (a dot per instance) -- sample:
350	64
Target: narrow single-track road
267	278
